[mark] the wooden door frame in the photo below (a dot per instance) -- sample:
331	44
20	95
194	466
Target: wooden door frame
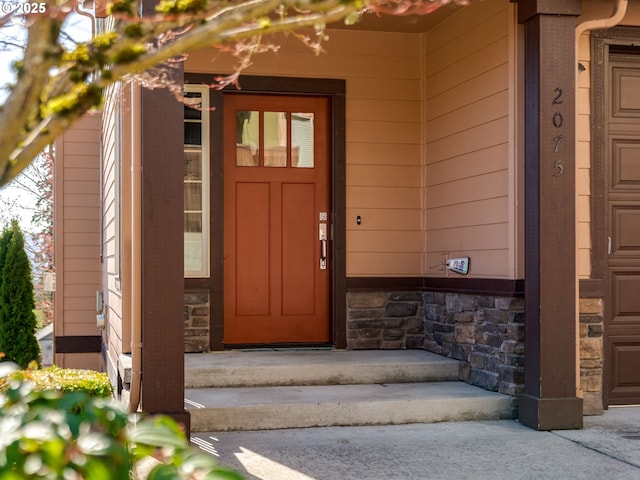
335	90
601	40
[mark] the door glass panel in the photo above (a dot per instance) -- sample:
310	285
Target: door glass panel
247	138
302	140
275	139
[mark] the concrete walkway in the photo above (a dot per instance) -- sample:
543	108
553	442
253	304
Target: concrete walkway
607	448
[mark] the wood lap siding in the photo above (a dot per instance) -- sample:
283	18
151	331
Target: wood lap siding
384	138
430	163
77	236
583	160
112	273
467	174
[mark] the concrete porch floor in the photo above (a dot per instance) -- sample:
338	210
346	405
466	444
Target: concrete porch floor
292	389
607	448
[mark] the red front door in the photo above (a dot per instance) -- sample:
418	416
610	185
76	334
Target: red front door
276	220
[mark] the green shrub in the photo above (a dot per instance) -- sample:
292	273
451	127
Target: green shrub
44	435
17	318
94	384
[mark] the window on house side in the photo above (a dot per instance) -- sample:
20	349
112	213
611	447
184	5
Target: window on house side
196	181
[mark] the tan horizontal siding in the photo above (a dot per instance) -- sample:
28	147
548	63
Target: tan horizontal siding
370	44
489	57
389	241
112	151
376	264
473	90
492	107
77	229
71	239
468	237
78	252
383	176
447	32
79	161
384	219
583	159
489	211
82	213
79	186
81	135
79	199
383	197
81	265
467	190
371	88
84	361
479	137
383	154
483	263
86	303
81	278
77	289
380	131
485	32
490	159
391	110
384	137
74	318
469	175
428	137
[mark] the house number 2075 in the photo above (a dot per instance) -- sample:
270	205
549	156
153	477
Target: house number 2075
557	120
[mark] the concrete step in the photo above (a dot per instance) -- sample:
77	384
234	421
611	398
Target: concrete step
264	408
316	367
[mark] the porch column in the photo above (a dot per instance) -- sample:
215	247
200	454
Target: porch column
162	250
550	397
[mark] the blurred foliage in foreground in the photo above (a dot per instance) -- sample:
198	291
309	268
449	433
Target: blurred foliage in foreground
94	384
54	435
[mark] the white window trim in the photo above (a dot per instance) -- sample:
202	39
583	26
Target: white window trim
206	186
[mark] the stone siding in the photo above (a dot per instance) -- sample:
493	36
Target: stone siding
486	333
591	354
384	320
197	314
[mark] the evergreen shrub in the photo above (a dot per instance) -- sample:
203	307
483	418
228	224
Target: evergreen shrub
17	317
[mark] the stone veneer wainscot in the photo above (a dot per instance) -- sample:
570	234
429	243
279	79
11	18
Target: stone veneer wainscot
486	333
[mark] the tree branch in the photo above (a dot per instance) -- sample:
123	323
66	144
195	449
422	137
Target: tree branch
55	90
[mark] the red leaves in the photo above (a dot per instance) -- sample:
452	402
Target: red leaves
411	7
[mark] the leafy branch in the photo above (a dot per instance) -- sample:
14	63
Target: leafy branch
56	84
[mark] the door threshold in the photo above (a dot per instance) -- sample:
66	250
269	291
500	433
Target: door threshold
279	348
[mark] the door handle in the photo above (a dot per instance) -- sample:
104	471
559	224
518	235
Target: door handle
609	245
322	235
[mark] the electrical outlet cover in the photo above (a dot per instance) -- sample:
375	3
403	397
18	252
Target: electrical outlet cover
458	265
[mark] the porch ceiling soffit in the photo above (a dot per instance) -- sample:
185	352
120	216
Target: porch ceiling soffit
400	23
371	22
531	8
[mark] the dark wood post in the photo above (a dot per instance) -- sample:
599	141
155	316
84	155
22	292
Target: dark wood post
162	255
550	398
163	250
